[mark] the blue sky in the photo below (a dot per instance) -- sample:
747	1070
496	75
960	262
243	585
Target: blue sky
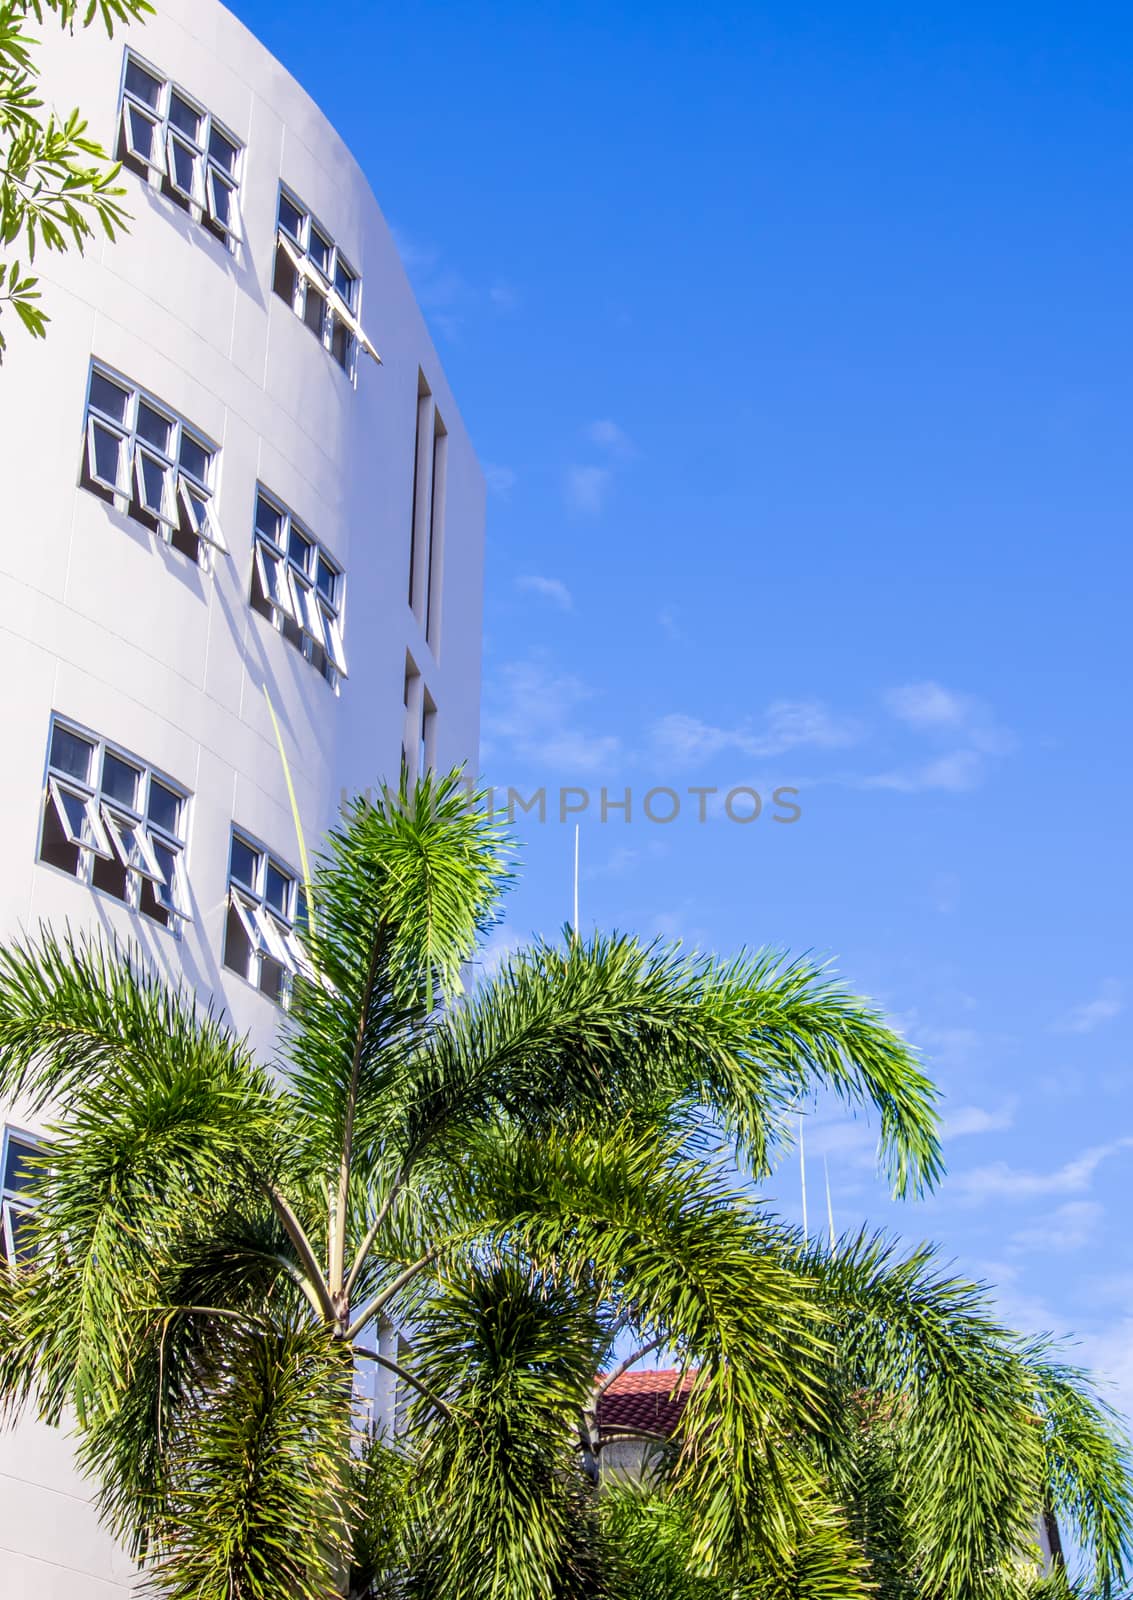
797	349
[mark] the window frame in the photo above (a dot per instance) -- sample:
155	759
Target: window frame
340	310
161	169
10	1201
182	487
318	618
110	820
269	933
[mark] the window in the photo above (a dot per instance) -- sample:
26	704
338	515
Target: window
299	586
112	822
140	456
265	904
312	275
16	1173
176	145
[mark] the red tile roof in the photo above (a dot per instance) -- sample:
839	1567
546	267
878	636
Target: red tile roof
652	1401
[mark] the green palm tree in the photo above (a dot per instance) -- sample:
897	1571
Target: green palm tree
526	1180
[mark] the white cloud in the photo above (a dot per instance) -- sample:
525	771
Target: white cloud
549	588
533	713
967	1120
1109	1003
609	436
1068	1227
957	773
586	489
503	296
928	705
787	725
667	621
500	480
1001	1182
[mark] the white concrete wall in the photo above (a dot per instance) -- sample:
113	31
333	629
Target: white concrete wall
102	624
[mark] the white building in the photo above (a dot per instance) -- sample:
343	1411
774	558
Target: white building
222	516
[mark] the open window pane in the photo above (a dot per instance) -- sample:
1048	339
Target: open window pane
308	612
199	510
154	479
184	169
19	1234
221	196
273	580
143	137
165	889
131	845
334	646
106	460
78	818
271	937
246	915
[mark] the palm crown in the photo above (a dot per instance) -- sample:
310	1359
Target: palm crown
525	1180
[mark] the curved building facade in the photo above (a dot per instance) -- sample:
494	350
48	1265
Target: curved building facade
243	543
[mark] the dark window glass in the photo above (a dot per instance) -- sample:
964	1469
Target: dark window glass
107	454
108	397
145	135
185	168
110	877
119	780
341	343
143	84
55	848
71	754
290	218
319	252
346	283
272	979
314	310
277	890
222	150
237	950
299	549
269	520
18	1173
184	118
327	579
194	457
286	280
153	427
164	807
242	863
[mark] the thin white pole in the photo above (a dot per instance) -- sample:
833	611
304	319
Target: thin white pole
829	1206
802	1176
576	880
